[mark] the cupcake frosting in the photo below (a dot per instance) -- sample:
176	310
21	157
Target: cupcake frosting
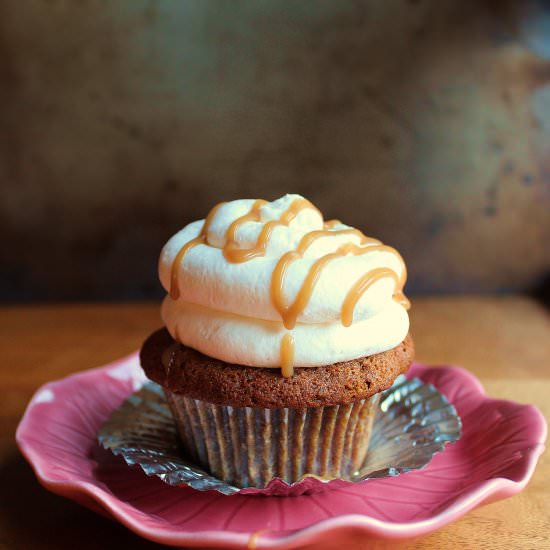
271	284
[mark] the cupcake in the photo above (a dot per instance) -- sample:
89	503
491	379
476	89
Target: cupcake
281	330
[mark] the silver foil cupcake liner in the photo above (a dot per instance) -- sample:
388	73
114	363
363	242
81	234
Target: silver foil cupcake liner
411	422
248	447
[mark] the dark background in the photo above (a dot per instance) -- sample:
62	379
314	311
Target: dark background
423	123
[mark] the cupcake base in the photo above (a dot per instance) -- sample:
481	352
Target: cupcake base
185	371
249	447
412	422
249	425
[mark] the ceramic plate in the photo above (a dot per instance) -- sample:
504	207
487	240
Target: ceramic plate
495	458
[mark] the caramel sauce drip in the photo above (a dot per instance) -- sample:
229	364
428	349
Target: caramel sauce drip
287	355
329	224
174	288
359	288
231	250
289	314
178	260
400	298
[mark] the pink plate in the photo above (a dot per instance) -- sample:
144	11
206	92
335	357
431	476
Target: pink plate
495	458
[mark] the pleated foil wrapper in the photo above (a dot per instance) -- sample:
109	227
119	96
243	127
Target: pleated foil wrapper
249	447
284	452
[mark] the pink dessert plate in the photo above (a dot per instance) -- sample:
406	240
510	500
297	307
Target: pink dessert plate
494	459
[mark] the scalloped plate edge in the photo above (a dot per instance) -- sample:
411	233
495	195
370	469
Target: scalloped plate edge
100	501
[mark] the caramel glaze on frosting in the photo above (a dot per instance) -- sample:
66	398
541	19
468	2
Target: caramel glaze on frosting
289	313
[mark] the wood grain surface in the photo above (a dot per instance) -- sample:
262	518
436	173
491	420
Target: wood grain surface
503	341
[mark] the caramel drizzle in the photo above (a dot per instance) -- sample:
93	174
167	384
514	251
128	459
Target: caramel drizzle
290	313
329	224
178	260
231	250
360	287
287	355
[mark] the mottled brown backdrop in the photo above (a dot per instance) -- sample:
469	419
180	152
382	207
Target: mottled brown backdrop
424	123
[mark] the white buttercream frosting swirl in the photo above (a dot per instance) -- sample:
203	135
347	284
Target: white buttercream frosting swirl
226	309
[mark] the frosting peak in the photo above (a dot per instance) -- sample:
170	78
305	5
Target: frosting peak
253	270
239	224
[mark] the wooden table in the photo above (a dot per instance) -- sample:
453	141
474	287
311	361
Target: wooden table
504	341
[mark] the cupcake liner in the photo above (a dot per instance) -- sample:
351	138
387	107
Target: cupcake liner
412	422
248	447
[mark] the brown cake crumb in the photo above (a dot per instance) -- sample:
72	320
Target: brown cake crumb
183	370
